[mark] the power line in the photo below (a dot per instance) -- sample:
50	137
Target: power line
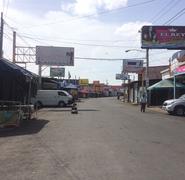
91	15
98	59
3	5
11	28
7	37
177	15
7	7
159	12
77	43
168	7
106	59
71	39
65	41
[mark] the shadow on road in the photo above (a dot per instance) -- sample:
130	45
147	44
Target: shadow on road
32	126
69	110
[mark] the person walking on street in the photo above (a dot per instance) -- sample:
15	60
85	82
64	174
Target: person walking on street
118	95
143	101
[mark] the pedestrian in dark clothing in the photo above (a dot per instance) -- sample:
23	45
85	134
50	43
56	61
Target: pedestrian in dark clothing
118	95
143	101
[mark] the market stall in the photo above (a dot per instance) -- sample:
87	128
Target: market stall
17	86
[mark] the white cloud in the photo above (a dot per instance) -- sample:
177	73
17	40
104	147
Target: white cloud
81	7
131	29
112	4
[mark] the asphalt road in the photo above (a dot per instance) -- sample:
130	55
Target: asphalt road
106	140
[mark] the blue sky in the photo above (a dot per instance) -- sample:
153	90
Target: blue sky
95	28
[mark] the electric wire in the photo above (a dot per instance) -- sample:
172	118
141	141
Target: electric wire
159	12
7	7
105	59
72	39
98	59
35	38
177	15
163	12
92	15
176	18
3	5
7	37
81	44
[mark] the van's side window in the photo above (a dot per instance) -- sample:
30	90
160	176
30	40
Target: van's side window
60	93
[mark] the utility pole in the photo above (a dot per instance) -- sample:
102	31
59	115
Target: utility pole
1	36
147	68
147	76
40	76
14	47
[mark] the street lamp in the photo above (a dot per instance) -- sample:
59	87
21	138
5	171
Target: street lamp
147	64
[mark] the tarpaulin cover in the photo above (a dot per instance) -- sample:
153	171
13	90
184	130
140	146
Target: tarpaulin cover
16	83
166	83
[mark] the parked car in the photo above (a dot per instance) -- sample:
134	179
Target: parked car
175	106
52	98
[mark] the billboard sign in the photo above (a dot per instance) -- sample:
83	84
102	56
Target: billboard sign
163	37
83	82
180	70
118	76
54	56
57	72
122	76
132	66
96	82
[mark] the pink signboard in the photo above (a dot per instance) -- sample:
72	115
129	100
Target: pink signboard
180	70
163	37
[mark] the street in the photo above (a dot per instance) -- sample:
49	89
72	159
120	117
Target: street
107	140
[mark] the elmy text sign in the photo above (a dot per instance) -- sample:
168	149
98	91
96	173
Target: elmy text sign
163	37
54	56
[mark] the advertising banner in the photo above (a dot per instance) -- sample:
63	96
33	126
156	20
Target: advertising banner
132	66
83	82
96	82
163	37
54	56
57	72
180	70
118	76
122	76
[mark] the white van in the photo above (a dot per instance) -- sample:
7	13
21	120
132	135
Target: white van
52	98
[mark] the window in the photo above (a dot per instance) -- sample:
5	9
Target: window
60	93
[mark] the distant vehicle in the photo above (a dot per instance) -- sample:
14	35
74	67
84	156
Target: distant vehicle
52	98
175	106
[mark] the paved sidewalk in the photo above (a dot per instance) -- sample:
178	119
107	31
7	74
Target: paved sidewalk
150	108
156	109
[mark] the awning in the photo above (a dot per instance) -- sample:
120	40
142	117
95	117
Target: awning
165	84
16	83
71	86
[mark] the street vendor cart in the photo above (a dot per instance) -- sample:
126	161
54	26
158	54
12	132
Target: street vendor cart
10	113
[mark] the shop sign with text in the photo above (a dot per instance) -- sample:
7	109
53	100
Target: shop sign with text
163	37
